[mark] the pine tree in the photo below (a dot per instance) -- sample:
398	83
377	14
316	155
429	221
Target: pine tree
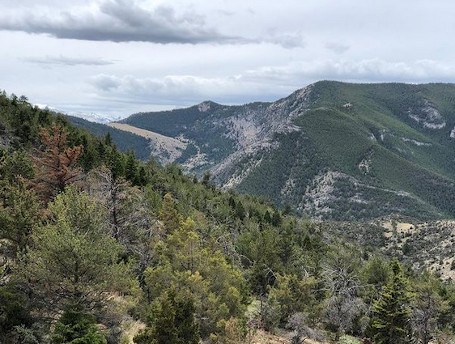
165	327
174	323
131	168
426	308
267	217
187	329
55	164
240	211
73	259
391	312
276	218
76	327
168	215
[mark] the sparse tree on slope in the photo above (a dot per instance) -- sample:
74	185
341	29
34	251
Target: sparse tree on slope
391	312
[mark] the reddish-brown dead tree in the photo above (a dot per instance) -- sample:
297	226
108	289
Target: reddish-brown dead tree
55	163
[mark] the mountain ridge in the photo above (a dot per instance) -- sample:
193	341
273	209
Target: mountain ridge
331	149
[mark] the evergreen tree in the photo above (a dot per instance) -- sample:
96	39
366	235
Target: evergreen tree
239	210
13	311
391	312
165	329
131	168
276	218
173	324
206	179
108	139
169	215
76	327
187	330
72	259
426	308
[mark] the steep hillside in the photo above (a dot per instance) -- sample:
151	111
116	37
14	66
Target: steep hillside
330	150
123	140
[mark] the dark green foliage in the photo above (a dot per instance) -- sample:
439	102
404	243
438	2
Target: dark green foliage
13	311
169	215
276	218
76	327
239	210
206	179
123	140
15	166
391	312
187	329
19	215
73	259
172	324
23	131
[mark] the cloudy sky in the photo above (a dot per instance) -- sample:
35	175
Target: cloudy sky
117	57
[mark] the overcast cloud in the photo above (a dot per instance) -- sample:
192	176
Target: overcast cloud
68	61
117	57
116	21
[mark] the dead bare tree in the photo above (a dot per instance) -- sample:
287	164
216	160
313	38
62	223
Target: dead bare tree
426	307
131	222
343	305
298	322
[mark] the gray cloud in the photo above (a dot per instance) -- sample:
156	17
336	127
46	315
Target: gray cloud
286	40
117	21
337	48
126	21
68	61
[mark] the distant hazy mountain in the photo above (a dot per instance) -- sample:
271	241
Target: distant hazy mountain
95	117
330	150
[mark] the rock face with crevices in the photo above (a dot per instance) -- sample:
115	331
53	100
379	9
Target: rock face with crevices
427	115
329	150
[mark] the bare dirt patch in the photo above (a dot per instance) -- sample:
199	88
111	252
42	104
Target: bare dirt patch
168	149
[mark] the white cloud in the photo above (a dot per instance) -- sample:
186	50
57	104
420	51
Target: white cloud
369	70
178	89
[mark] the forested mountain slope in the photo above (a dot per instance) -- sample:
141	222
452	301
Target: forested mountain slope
98	247
123	140
331	150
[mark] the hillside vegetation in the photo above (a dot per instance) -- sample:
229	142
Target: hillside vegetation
98	247
125	141
331	150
